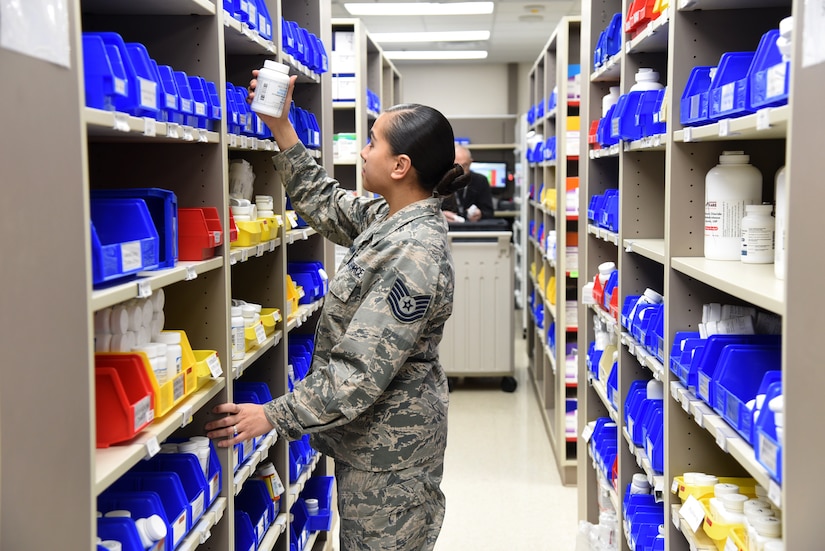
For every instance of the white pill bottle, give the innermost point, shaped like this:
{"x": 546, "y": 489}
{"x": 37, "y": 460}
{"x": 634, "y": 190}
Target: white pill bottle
{"x": 270, "y": 92}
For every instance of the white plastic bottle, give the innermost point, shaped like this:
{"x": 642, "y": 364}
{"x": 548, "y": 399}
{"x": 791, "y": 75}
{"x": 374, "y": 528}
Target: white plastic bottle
{"x": 174, "y": 351}
{"x": 646, "y": 79}
{"x": 266, "y": 472}
{"x": 780, "y": 259}
{"x": 270, "y": 92}
{"x": 203, "y": 451}
{"x": 150, "y": 529}
{"x": 758, "y": 235}
{"x": 610, "y": 100}
{"x": 729, "y": 186}
{"x": 238, "y": 338}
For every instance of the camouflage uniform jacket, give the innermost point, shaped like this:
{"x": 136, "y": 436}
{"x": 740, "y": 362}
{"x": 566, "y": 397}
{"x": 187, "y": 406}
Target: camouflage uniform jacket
{"x": 376, "y": 395}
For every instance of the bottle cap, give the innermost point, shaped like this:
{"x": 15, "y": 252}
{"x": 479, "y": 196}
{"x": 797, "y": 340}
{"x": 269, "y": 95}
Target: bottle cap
{"x": 734, "y": 503}
{"x": 188, "y": 447}
{"x": 759, "y": 209}
{"x": 266, "y": 469}
{"x": 777, "y": 404}
{"x": 722, "y": 488}
{"x": 169, "y": 447}
{"x": 734, "y": 158}
{"x": 769, "y": 527}
{"x": 640, "y": 480}
{"x": 236, "y": 311}
{"x": 103, "y": 342}
{"x": 703, "y": 479}
{"x": 119, "y": 320}
{"x": 110, "y": 545}
{"x": 655, "y": 390}
{"x": 647, "y": 75}
{"x": 754, "y": 513}
{"x": 168, "y": 337}
{"x": 201, "y": 441}
{"x": 118, "y": 513}
{"x": 606, "y": 267}
{"x": 248, "y": 311}
{"x": 275, "y": 66}
{"x": 155, "y": 527}
{"x": 653, "y": 296}
{"x": 786, "y": 26}
{"x": 690, "y": 478}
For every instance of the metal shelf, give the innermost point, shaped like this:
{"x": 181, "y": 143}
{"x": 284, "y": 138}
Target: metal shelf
{"x": 240, "y": 39}
{"x": 238, "y": 142}
{"x": 770, "y": 123}
{"x": 656, "y": 142}
{"x": 607, "y": 152}
{"x": 149, "y": 7}
{"x": 201, "y": 532}
{"x": 117, "y": 126}
{"x": 654, "y": 249}
{"x": 656, "y": 480}
{"x": 603, "y": 234}
{"x": 296, "y": 319}
{"x": 653, "y": 38}
{"x": 277, "y": 528}
{"x": 239, "y": 366}
{"x": 610, "y": 71}
{"x": 147, "y": 282}
{"x": 754, "y": 283}
{"x": 242, "y": 254}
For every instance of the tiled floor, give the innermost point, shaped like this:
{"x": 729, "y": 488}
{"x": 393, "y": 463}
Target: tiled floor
{"x": 502, "y": 485}
{"x": 500, "y": 478}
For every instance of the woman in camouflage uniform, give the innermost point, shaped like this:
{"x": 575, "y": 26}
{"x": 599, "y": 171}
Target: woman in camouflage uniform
{"x": 376, "y": 396}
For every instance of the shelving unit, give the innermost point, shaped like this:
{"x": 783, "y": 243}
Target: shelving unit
{"x": 660, "y": 245}
{"x": 375, "y": 72}
{"x": 48, "y": 406}
{"x": 548, "y": 367}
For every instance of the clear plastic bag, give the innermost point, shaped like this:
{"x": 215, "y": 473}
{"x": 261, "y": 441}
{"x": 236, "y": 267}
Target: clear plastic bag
{"x": 36, "y": 28}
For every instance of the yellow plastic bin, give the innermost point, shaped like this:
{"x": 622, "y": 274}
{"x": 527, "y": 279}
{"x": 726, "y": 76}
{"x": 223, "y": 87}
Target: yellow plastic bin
{"x": 249, "y": 233}
{"x": 270, "y": 318}
{"x": 747, "y": 486}
{"x": 715, "y": 528}
{"x": 254, "y": 336}
{"x": 292, "y": 297}
{"x": 202, "y": 360}
{"x": 274, "y": 227}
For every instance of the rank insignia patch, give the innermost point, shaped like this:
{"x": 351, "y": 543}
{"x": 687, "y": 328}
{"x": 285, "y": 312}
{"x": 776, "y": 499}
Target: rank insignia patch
{"x": 405, "y": 307}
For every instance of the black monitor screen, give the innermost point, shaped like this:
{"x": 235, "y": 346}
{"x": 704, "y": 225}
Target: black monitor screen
{"x": 496, "y": 173}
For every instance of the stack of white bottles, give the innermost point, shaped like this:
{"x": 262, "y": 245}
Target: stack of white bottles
{"x": 197, "y": 445}
{"x": 151, "y": 529}
{"x": 137, "y": 326}
{"x": 244, "y": 315}
{"x": 265, "y": 205}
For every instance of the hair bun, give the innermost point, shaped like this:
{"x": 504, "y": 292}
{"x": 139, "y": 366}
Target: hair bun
{"x": 452, "y": 181}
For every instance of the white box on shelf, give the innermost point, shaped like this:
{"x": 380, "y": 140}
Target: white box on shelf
{"x": 344, "y": 87}
{"x": 342, "y": 62}
{"x": 344, "y": 147}
{"x": 343, "y": 41}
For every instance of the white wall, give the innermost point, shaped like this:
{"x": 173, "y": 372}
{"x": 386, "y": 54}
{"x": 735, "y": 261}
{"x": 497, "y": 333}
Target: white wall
{"x": 462, "y": 89}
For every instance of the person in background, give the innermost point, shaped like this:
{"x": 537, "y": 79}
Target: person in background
{"x": 474, "y": 202}
{"x": 375, "y": 398}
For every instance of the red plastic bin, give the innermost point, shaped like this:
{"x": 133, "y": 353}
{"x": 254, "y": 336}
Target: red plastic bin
{"x": 124, "y": 400}
{"x": 233, "y": 229}
{"x": 639, "y": 15}
{"x": 199, "y": 232}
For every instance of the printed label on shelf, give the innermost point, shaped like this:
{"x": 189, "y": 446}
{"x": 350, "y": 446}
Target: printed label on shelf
{"x": 272, "y": 245}
{"x": 260, "y": 334}
{"x": 244, "y": 255}
{"x": 203, "y": 136}
{"x": 692, "y": 512}
{"x": 214, "y": 364}
{"x": 688, "y": 134}
{"x": 144, "y": 288}
{"x": 188, "y": 134}
{"x": 233, "y": 258}
{"x": 152, "y": 447}
{"x": 675, "y": 486}
{"x": 763, "y": 118}
{"x": 172, "y": 130}
{"x": 587, "y": 432}
{"x": 259, "y": 250}
{"x": 131, "y": 257}
{"x": 723, "y": 434}
{"x": 186, "y": 415}
{"x": 775, "y": 493}
{"x": 233, "y": 140}
{"x": 121, "y": 123}
{"x": 724, "y": 127}
{"x": 191, "y": 273}
{"x": 149, "y": 127}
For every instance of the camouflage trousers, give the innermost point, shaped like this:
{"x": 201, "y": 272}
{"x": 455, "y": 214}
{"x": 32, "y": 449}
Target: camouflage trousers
{"x": 390, "y": 511}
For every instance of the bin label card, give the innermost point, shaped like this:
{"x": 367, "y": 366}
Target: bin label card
{"x": 131, "y": 257}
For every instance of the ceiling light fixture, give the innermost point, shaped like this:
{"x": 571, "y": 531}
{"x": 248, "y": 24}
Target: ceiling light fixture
{"x": 436, "y": 54}
{"x": 447, "y": 36}
{"x": 420, "y": 8}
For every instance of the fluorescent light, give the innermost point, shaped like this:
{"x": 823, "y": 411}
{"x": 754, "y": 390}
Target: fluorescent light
{"x": 446, "y": 36}
{"x": 420, "y": 8}
{"x": 437, "y": 54}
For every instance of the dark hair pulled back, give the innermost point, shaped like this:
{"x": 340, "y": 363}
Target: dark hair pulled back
{"x": 426, "y": 136}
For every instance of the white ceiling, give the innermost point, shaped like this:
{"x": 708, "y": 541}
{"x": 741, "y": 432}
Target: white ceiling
{"x": 518, "y": 29}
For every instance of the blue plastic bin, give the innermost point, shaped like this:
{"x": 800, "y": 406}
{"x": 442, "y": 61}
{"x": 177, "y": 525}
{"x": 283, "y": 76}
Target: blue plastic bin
{"x": 245, "y": 537}
{"x": 694, "y": 105}
{"x": 254, "y": 500}
{"x": 647, "y": 113}
{"x": 136, "y": 72}
{"x": 729, "y": 93}
{"x": 193, "y": 481}
{"x": 170, "y": 107}
{"x": 104, "y": 78}
{"x": 124, "y": 239}
{"x": 213, "y": 100}
{"x": 706, "y": 362}
{"x": 767, "y": 447}
{"x": 299, "y": 524}
{"x": 162, "y": 205}
{"x": 653, "y": 433}
{"x": 187, "y": 101}
{"x": 610, "y": 215}
{"x": 625, "y": 125}
{"x": 769, "y": 75}
{"x": 200, "y": 104}
{"x": 613, "y": 36}
{"x": 147, "y": 84}
{"x": 320, "y": 488}
{"x": 738, "y": 378}
{"x": 123, "y": 530}
{"x": 169, "y": 488}
{"x": 613, "y": 385}
{"x": 143, "y": 504}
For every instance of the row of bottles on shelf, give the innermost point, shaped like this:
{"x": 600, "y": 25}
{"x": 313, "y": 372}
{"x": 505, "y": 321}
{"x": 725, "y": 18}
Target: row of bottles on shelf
{"x": 547, "y": 240}
{"x": 542, "y": 108}
{"x": 638, "y": 114}
{"x": 738, "y": 225}
{"x": 742, "y": 82}
{"x": 542, "y": 150}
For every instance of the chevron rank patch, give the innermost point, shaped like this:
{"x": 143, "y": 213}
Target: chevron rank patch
{"x": 405, "y": 307}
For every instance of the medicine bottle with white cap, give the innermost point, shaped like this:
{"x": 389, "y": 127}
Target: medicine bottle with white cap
{"x": 270, "y": 92}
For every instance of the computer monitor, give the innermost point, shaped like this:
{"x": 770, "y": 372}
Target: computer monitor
{"x": 496, "y": 172}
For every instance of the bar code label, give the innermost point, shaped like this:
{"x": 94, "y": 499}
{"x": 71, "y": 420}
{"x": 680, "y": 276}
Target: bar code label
{"x": 131, "y": 256}
{"x": 143, "y": 412}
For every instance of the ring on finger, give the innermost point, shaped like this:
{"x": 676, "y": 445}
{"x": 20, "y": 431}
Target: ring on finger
{"x": 235, "y": 430}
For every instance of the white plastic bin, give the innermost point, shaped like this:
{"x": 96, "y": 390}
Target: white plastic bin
{"x": 478, "y": 337}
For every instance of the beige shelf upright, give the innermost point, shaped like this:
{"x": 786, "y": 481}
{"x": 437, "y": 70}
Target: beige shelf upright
{"x": 662, "y": 187}
{"x": 50, "y": 466}
{"x": 548, "y": 367}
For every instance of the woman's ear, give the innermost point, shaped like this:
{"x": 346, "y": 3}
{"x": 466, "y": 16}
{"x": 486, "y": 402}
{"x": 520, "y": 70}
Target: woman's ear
{"x": 402, "y": 167}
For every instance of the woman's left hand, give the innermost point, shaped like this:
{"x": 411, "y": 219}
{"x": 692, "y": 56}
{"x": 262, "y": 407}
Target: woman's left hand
{"x": 243, "y": 421}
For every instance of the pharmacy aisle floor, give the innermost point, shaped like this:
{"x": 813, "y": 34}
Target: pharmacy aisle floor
{"x": 501, "y": 482}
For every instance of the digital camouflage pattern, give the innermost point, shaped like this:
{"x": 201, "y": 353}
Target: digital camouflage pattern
{"x": 376, "y": 396}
